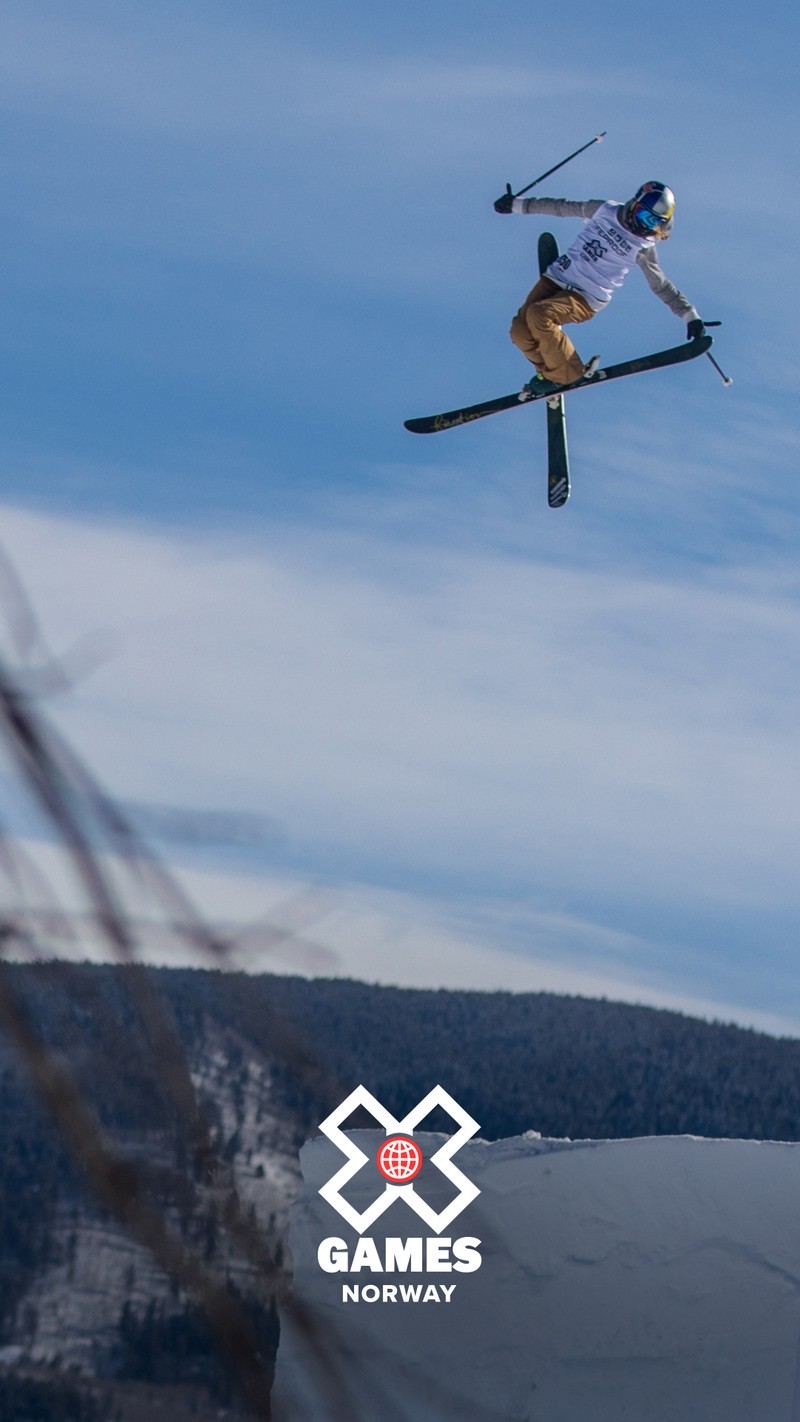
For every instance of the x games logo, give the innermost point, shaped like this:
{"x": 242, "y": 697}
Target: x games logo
{"x": 398, "y": 1163}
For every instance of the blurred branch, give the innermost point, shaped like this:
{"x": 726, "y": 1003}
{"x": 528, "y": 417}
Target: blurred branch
{"x": 108, "y": 859}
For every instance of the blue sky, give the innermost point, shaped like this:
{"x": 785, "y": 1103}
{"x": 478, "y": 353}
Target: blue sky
{"x": 241, "y": 245}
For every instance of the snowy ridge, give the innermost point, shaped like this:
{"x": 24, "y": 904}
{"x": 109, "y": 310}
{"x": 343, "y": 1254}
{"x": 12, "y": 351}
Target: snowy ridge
{"x": 649, "y": 1280}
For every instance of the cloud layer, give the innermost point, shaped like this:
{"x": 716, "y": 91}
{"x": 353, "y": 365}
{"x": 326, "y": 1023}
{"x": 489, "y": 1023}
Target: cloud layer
{"x": 573, "y": 758}
{"x": 239, "y": 250}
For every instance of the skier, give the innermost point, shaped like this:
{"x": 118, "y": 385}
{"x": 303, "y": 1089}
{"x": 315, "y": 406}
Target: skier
{"x": 582, "y": 281}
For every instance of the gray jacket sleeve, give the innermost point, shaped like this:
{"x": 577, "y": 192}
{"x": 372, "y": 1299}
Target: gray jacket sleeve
{"x": 647, "y": 259}
{"x": 657, "y": 282}
{"x": 557, "y": 207}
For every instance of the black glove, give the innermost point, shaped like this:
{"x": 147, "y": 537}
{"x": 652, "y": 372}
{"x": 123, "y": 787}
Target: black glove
{"x": 695, "y": 329}
{"x": 503, "y": 203}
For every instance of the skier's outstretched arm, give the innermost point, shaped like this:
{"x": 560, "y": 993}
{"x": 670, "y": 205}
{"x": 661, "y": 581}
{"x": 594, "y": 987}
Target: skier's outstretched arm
{"x": 549, "y": 207}
{"x": 664, "y": 288}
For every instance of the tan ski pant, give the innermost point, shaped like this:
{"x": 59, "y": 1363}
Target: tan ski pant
{"x": 536, "y": 330}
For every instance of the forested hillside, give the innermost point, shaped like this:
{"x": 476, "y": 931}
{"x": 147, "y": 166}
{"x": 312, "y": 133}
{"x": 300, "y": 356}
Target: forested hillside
{"x": 269, "y": 1057}
{"x": 563, "y": 1066}
{"x": 533, "y": 1061}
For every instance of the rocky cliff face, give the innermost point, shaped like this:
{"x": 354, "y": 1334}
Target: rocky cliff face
{"x": 72, "y": 1311}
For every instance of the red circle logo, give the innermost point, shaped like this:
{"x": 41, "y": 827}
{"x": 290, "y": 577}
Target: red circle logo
{"x": 399, "y": 1160}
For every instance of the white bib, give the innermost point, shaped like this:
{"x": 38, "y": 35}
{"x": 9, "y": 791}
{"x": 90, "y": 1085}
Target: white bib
{"x": 600, "y": 257}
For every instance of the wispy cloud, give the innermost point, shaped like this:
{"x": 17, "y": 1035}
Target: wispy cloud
{"x": 218, "y": 78}
{"x": 281, "y": 925}
{"x": 479, "y": 727}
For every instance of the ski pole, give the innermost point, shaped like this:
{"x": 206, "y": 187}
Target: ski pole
{"x": 726, "y": 379}
{"x": 598, "y": 138}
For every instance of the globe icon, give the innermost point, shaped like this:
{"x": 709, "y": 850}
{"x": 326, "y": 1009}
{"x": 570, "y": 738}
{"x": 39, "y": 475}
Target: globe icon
{"x": 399, "y": 1160}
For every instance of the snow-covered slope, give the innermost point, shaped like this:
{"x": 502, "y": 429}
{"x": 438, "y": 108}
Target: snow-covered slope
{"x": 651, "y": 1280}
{"x": 73, "y": 1308}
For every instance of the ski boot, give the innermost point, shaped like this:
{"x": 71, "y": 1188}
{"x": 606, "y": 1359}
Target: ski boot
{"x": 538, "y": 386}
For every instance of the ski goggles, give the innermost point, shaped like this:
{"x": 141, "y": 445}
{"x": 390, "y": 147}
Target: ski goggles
{"x": 648, "y": 219}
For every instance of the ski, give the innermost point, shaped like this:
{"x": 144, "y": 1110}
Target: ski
{"x": 557, "y": 452}
{"x": 557, "y": 455}
{"x": 431, "y": 424}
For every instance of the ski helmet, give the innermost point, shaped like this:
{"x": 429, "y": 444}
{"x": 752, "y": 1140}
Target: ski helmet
{"x": 650, "y": 210}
